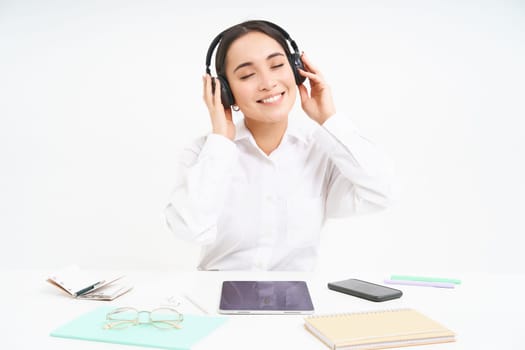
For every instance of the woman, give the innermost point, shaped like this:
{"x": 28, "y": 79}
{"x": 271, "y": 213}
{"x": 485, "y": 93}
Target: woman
{"x": 256, "y": 194}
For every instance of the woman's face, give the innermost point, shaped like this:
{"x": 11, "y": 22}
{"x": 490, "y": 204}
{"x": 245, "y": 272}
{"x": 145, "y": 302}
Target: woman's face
{"x": 260, "y": 77}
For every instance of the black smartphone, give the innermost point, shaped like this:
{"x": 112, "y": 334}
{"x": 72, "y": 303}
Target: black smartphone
{"x": 365, "y": 290}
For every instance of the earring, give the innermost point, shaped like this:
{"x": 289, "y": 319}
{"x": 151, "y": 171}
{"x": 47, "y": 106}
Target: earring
{"x": 236, "y": 108}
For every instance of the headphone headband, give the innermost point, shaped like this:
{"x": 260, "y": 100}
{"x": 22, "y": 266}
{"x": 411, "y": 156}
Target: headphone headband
{"x": 218, "y": 38}
{"x": 211, "y": 49}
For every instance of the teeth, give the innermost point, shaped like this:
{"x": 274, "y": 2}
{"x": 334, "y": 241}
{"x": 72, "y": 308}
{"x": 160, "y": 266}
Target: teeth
{"x": 271, "y": 99}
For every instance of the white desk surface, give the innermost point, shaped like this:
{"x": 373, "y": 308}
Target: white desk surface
{"x": 485, "y": 310}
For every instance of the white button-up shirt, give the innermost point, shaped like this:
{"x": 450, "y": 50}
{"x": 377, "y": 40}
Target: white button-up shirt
{"x": 252, "y": 211}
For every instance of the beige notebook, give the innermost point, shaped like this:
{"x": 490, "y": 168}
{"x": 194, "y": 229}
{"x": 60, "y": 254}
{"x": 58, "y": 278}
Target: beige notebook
{"x": 377, "y": 329}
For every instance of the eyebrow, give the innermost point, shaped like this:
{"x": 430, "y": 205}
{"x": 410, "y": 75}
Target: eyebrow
{"x": 245, "y": 64}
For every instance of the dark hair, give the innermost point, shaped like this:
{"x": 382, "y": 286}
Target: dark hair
{"x": 233, "y": 33}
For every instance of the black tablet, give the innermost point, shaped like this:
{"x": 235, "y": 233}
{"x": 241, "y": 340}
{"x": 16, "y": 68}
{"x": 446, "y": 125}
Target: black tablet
{"x": 265, "y": 297}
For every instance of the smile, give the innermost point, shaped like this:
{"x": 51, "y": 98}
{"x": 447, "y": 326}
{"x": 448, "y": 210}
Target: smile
{"x": 271, "y": 99}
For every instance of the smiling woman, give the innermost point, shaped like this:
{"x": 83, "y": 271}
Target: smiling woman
{"x": 256, "y": 194}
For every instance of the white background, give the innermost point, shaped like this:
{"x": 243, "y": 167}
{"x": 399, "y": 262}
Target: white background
{"x": 98, "y": 97}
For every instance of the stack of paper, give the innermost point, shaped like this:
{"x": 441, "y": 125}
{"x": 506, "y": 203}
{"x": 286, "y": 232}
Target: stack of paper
{"x": 86, "y": 285}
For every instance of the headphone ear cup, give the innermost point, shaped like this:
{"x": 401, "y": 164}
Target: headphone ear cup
{"x": 297, "y": 63}
{"x": 226, "y": 93}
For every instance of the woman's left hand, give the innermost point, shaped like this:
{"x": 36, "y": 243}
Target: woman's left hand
{"x": 319, "y": 105}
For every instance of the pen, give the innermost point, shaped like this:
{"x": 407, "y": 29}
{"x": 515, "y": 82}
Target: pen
{"x": 425, "y": 279}
{"x": 422, "y": 283}
{"x": 88, "y": 288}
{"x": 195, "y": 304}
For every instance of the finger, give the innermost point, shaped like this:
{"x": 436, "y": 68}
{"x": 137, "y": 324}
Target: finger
{"x": 217, "y": 94}
{"x": 315, "y": 78}
{"x": 303, "y": 92}
{"x": 206, "y": 94}
{"x": 308, "y": 64}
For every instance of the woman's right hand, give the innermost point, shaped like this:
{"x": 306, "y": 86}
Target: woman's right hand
{"x": 221, "y": 118}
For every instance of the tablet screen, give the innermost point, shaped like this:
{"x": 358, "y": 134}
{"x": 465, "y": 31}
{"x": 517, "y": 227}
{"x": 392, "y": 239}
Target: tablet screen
{"x": 265, "y": 297}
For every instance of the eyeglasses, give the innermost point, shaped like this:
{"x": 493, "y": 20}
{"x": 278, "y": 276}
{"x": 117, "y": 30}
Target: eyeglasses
{"x": 162, "y": 317}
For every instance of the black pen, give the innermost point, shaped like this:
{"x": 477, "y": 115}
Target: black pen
{"x": 87, "y": 289}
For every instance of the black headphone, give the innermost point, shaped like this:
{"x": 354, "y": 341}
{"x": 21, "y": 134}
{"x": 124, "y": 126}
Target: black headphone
{"x": 293, "y": 57}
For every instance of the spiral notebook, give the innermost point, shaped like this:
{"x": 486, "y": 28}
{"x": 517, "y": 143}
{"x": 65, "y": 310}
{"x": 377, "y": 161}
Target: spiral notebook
{"x": 377, "y": 329}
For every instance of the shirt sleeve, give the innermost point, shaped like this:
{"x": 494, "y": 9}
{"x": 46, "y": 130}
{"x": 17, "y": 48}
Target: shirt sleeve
{"x": 203, "y": 178}
{"x": 360, "y": 175}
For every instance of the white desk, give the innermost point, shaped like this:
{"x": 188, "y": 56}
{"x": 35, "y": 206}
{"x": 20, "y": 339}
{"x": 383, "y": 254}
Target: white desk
{"x": 485, "y": 310}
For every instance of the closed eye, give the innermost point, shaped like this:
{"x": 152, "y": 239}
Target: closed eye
{"x": 244, "y": 77}
{"x": 276, "y": 66}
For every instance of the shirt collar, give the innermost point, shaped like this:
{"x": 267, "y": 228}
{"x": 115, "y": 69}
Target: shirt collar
{"x": 294, "y": 131}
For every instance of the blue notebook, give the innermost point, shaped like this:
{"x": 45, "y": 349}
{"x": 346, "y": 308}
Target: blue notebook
{"x": 90, "y": 327}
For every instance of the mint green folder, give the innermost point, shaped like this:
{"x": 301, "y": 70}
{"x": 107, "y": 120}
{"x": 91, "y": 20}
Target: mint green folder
{"x": 90, "y": 327}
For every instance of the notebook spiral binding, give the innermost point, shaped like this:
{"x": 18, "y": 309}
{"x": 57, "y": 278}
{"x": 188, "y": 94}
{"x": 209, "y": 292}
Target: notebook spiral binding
{"x": 371, "y": 312}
